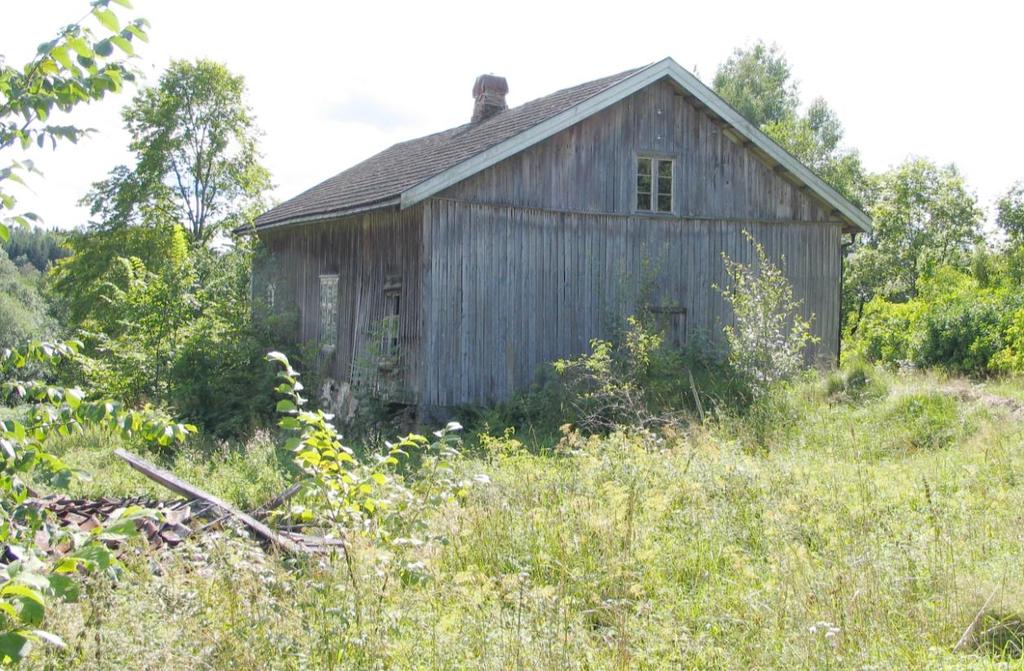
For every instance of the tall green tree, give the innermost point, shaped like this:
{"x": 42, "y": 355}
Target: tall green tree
{"x": 757, "y": 82}
{"x": 35, "y": 245}
{"x": 1010, "y": 213}
{"x": 924, "y": 216}
{"x": 197, "y": 162}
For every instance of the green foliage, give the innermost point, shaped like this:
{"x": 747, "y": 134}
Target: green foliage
{"x": 924, "y": 216}
{"x": 367, "y": 497}
{"x": 636, "y": 379}
{"x": 768, "y": 340}
{"x": 926, "y": 421}
{"x": 31, "y": 579}
{"x": 81, "y": 282}
{"x": 169, "y": 323}
{"x": 24, "y": 314}
{"x": 1010, "y": 213}
{"x": 757, "y": 82}
{"x": 816, "y": 140}
{"x": 197, "y": 164}
{"x": 688, "y": 551}
{"x": 36, "y": 246}
{"x": 857, "y": 381}
{"x": 77, "y": 66}
{"x": 955, "y": 321}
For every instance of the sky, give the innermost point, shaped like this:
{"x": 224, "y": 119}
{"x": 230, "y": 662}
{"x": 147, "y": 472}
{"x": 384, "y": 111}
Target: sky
{"x": 333, "y": 82}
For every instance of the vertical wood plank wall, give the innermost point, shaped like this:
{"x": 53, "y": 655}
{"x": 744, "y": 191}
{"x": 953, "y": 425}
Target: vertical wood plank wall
{"x": 508, "y": 290}
{"x": 590, "y": 166}
{"x": 529, "y": 259}
{"x": 363, "y": 250}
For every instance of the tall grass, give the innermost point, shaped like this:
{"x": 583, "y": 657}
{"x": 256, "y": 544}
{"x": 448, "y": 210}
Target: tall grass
{"x": 865, "y": 531}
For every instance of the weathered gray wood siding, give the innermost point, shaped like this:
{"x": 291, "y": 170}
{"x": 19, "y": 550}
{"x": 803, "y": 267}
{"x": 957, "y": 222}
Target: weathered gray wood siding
{"x": 363, "y": 250}
{"x": 590, "y": 166}
{"x": 508, "y": 290}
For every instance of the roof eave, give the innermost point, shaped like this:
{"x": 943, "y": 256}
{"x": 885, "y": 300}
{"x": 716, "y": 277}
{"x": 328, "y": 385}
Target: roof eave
{"x": 314, "y": 218}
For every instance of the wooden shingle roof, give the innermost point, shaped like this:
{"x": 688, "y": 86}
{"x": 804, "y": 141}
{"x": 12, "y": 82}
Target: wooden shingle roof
{"x": 382, "y": 178}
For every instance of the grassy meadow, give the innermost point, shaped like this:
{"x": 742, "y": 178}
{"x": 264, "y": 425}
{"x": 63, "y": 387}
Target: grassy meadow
{"x": 824, "y": 530}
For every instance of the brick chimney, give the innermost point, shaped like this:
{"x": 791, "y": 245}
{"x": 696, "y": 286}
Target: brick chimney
{"x": 489, "y": 92}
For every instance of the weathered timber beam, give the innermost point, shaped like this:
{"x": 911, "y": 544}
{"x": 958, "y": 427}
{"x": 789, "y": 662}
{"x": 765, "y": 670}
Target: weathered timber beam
{"x": 179, "y": 486}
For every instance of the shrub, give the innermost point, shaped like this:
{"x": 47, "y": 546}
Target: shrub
{"x": 956, "y": 322}
{"x": 608, "y": 383}
{"x": 769, "y": 338}
{"x": 884, "y": 332}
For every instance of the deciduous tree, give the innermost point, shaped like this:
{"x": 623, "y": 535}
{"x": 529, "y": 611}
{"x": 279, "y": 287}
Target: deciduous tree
{"x": 197, "y": 164}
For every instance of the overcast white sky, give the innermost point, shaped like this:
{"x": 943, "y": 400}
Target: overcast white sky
{"x": 333, "y": 82}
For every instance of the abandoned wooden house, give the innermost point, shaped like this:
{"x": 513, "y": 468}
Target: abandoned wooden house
{"x": 449, "y": 269}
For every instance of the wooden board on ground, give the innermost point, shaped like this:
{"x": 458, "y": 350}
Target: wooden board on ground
{"x": 179, "y": 486}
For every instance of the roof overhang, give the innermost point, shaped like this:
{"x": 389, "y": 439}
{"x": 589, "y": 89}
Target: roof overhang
{"x": 781, "y": 160}
{"x": 314, "y": 218}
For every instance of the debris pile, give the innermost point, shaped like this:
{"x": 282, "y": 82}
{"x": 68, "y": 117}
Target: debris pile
{"x": 176, "y": 520}
{"x": 168, "y": 527}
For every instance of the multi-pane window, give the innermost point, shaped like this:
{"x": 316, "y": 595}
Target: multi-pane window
{"x": 328, "y": 311}
{"x": 653, "y": 184}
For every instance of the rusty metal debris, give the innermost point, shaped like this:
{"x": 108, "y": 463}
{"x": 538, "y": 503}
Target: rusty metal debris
{"x": 169, "y": 527}
{"x": 174, "y": 521}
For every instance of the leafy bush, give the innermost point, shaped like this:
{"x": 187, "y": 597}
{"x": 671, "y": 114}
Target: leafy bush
{"x": 956, "y": 321}
{"x": 637, "y": 380}
{"x": 768, "y": 341}
{"x": 173, "y": 328}
{"x": 884, "y": 332}
{"x": 31, "y": 578}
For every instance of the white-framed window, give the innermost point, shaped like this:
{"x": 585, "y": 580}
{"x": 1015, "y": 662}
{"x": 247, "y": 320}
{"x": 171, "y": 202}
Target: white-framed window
{"x": 328, "y": 311}
{"x": 654, "y": 178}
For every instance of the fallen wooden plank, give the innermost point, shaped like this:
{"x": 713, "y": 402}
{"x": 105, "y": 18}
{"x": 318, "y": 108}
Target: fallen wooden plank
{"x": 277, "y": 501}
{"x": 179, "y": 486}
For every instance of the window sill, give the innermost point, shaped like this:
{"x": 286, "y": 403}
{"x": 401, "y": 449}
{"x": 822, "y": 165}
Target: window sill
{"x": 659, "y": 215}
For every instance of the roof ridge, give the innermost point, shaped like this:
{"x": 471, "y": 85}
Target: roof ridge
{"x": 407, "y": 163}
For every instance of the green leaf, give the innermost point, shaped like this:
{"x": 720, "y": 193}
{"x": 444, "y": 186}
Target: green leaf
{"x": 104, "y": 48}
{"x": 20, "y": 590}
{"x": 285, "y": 405}
{"x": 14, "y": 646}
{"x": 107, "y": 18}
{"x": 277, "y": 356}
{"x": 80, "y": 47}
{"x": 60, "y": 54}
{"x": 123, "y": 44}
{"x": 5, "y": 235}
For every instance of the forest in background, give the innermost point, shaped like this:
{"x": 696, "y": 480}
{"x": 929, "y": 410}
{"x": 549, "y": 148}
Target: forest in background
{"x": 136, "y": 328}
